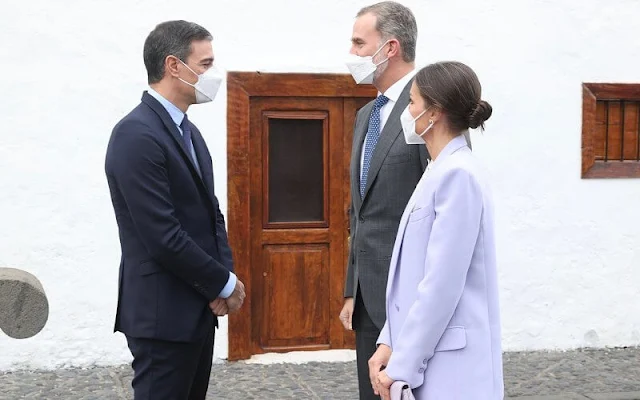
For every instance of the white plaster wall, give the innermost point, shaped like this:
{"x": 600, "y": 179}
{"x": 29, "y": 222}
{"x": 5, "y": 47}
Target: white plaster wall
{"x": 71, "y": 70}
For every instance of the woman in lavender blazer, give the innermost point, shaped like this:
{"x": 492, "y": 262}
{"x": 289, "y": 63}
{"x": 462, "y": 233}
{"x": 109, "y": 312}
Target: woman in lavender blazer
{"x": 442, "y": 334}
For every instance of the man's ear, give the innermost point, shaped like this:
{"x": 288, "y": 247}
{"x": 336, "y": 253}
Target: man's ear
{"x": 394, "y": 48}
{"x": 171, "y": 65}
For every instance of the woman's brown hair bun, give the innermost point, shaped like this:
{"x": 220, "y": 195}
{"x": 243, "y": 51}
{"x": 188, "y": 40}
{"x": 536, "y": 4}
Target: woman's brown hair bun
{"x": 480, "y": 114}
{"x": 454, "y": 88}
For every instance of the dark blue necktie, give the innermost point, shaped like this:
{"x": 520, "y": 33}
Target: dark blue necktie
{"x": 188, "y": 144}
{"x": 373, "y": 134}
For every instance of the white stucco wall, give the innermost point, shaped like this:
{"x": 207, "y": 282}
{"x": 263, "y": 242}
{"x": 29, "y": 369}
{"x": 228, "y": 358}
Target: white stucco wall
{"x": 71, "y": 70}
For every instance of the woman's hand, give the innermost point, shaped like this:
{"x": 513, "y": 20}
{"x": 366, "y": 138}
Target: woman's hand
{"x": 378, "y": 360}
{"x": 383, "y": 385}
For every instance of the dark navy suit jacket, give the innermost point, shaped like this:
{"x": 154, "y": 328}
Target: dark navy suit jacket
{"x": 175, "y": 253}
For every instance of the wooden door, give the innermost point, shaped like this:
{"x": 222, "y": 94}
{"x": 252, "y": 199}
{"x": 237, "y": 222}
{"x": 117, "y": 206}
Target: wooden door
{"x": 297, "y": 221}
{"x": 288, "y": 210}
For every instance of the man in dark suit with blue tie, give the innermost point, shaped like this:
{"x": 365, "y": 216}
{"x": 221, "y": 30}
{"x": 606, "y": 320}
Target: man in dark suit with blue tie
{"x": 176, "y": 271}
{"x": 384, "y": 172}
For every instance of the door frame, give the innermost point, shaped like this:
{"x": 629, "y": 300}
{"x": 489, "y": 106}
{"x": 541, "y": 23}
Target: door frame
{"x": 241, "y": 86}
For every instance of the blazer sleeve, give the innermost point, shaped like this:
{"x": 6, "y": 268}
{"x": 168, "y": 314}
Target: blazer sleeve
{"x": 350, "y": 278}
{"x": 142, "y": 179}
{"x": 351, "y": 273}
{"x": 455, "y": 230}
{"x": 385, "y": 335}
{"x": 223, "y": 241}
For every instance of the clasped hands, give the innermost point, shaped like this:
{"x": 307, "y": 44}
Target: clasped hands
{"x": 380, "y": 381}
{"x": 231, "y": 304}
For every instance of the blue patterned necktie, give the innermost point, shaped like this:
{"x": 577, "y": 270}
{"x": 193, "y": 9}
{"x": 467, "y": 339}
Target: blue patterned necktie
{"x": 373, "y": 134}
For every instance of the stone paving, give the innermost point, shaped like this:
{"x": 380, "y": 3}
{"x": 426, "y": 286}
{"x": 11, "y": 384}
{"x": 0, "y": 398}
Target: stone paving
{"x": 612, "y": 374}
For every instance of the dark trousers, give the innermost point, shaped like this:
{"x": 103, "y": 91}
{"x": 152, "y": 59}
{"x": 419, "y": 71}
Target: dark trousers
{"x": 366, "y": 337}
{"x": 171, "y": 370}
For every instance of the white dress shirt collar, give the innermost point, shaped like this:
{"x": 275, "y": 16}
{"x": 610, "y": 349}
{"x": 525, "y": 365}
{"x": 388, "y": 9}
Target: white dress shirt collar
{"x": 395, "y": 90}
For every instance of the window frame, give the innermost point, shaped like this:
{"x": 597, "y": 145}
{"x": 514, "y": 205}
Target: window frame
{"x": 598, "y": 169}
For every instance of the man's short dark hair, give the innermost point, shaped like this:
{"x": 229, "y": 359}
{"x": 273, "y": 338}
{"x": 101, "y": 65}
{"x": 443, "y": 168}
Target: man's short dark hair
{"x": 170, "y": 38}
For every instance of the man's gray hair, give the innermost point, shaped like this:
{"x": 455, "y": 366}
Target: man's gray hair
{"x": 395, "y": 21}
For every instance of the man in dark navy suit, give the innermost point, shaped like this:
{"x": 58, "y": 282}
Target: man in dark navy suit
{"x": 176, "y": 271}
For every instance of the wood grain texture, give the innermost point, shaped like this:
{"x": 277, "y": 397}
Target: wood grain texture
{"x": 238, "y": 212}
{"x": 295, "y": 303}
{"x": 303, "y": 263}
{"x": 610, "y": 130}
{"x": 614, "y": 91}
{"x": 300, "y": 85}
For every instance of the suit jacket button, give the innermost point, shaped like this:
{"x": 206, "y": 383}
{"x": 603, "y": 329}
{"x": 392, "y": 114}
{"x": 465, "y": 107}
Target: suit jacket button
{"x": 424, "y": 361}
{"x": 421, "y": 370}
{"x": 397, "y": 308}
{"x": 361, "y": 219}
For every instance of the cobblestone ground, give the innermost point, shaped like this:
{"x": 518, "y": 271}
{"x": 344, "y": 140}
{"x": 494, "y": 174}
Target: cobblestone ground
{"x": 568, "y": 375}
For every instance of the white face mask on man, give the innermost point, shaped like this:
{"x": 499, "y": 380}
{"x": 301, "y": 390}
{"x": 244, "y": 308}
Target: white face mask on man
{"x": 207, "y": 85}
{"x": 363, "y": 68}
{"x": 409, "y": 127}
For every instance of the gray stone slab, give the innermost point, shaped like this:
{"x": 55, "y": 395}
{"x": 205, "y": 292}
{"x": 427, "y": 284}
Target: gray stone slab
{"x": 24, "y": 308}
{"x": 614, "y": 396}
{"x": 564, "y": 396}
{"x": 579, "y": 371}
{"x": 527, "y": 376}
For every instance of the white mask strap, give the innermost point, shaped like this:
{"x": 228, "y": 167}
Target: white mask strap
{"x": 188, "y": 67}
{"x": 428, "y": 127}
{"x": 381, "y": 47}
{"x": 421, "y": 114}
{"x": 430, "y": 122}
{"x": 378, "y": 51}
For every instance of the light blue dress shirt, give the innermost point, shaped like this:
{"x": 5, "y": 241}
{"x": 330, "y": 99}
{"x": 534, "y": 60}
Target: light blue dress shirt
{"x": 177, "y": 116}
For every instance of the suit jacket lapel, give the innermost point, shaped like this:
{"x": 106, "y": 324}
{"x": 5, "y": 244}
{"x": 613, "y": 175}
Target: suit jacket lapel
{"x": 389, "y": 134}
{"x": 170, "y": 125}
{"x": 454, "y": 145}
{"x": 175, "y": 134}
{"x": 359, "y": 134}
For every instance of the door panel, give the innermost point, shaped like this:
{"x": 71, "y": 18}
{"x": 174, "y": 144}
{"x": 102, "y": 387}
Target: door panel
{"x": 295, "y": 256}
{"x": 296, "y": 280}
{"x": 295, "y": 158}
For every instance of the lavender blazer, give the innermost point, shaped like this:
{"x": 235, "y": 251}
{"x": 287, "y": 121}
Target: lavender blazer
{"x": 443, "y": 317}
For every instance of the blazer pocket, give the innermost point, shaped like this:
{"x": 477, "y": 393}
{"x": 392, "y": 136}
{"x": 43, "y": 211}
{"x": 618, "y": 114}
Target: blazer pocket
{"x": 397, "y": 159}
{"x": 454, "y": 338}
{"x": 419, "y": 213}
{"x": 149, "y": 268}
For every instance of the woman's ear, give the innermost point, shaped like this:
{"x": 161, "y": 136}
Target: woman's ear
{"x": 434, "y": 114}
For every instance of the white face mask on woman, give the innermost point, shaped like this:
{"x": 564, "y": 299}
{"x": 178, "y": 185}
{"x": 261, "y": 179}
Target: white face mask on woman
{"x": 409, "y": 127}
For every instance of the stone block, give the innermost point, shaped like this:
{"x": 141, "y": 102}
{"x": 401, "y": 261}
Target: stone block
{"x": 24, "y": 308}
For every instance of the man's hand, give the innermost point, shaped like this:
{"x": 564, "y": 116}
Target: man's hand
{"x": 378, "y": 360}
{"x": 234, "y": 302}
{"x": 346, "y": 314}
{"x": 219, "y": 307}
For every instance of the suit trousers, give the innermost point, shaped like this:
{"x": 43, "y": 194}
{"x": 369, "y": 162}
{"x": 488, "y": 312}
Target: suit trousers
{"x": 366, "y": 337}
{"x": 171, "y": 370}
